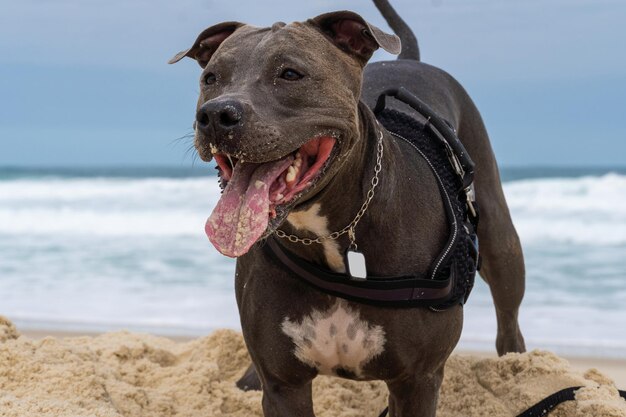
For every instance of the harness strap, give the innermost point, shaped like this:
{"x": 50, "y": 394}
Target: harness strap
{"x": 543, "y": 407}
{"x": 440, "y": 127}
{"x": 392, "y": 291}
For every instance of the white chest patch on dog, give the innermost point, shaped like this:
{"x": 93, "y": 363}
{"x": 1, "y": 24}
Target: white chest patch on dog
{"x": 312, "y": 221}
{"x": 335, "y": 341}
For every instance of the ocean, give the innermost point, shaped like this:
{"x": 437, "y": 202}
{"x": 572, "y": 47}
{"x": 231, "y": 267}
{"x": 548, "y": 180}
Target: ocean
{"x": 105, "y": 249}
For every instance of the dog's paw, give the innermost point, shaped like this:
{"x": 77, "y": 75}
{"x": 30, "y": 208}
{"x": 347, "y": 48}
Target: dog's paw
{"x": 250, "y": 380}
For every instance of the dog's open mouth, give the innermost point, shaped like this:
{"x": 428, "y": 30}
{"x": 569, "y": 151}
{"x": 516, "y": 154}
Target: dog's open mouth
{"x": 253, "y": 192}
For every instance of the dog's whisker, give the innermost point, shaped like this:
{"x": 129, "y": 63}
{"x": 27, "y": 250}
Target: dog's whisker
{"x": 190, "y": 151}
{"x": 182, "y": 138}
{"x": 194, "y": 159}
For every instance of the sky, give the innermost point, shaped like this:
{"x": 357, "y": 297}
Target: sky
{"x": 85, "y": 82}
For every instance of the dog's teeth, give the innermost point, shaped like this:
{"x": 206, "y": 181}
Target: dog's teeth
{"x": 258, "y": 184}
{"x": 298, "y": 161}
{"x": 213, "y": 149}
{"x": 279, "y": 197}
{"x": 291, "y": 174}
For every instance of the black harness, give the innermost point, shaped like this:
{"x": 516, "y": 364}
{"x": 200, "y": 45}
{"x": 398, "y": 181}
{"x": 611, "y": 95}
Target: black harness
{"x": 451, "y": 276}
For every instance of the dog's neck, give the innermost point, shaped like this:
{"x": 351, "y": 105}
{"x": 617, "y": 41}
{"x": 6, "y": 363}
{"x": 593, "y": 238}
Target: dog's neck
{"x": 334, "y": 207}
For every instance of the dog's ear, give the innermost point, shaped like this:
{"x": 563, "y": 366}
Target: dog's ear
{"x": 354, "y": 35}
{"x": 207, "y": 43}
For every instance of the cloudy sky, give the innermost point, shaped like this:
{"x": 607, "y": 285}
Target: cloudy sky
{"x": 85, "y": 82}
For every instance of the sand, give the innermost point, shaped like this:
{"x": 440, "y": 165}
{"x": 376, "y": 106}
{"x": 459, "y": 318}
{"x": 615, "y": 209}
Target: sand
{"x": 132, "y": 375}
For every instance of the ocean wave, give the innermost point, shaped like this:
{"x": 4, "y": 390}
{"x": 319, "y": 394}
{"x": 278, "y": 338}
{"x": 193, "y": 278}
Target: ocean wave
{"x": 69, "y": 221}
{"x": 585, "y": 210}
{"x": 574, "y": 196}
{"x": 126, "y": 192}
{"x": 107, "y": 207}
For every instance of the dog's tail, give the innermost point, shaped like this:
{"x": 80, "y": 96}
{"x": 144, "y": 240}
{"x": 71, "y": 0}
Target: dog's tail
{"x": 410, "y": 50}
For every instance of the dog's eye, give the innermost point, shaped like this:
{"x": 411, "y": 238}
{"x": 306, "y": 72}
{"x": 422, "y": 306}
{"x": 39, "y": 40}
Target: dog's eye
{"x": 210, "y": 78}
{"x": 291, "y": 75}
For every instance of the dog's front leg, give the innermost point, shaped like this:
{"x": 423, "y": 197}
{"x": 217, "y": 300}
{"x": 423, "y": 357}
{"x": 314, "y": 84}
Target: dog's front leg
{"x": 415, "y": 395}
{"x": 281, "y": 399}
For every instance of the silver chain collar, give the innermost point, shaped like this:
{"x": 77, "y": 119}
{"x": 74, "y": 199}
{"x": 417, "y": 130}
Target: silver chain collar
{"x": 350, "y": 228}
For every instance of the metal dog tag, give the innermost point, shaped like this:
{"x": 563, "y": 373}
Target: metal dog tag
{"x": 356, "y": 265}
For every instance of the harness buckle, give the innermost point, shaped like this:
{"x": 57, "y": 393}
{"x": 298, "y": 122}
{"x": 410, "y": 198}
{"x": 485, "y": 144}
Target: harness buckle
{"x": 452, "y": 156}
{"x": 470, "y": 196}
{"x": 457, "y": 165}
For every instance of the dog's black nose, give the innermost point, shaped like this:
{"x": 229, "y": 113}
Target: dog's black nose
{"x": 231, "y": 114}
{"x": 219, "y": 116}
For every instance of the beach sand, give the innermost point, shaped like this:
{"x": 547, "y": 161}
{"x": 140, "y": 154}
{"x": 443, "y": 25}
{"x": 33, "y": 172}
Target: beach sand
{"x": 136, "y": 375}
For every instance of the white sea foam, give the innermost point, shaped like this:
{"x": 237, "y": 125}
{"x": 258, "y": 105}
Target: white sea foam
{"x": 587, "y": 210}
{"x": 591, "y": 194}
{"x": 68, "y": 220}
{"x": 590, "y": 210}
{"x": 145, "y": 193}
{"x": 107, "y": 207}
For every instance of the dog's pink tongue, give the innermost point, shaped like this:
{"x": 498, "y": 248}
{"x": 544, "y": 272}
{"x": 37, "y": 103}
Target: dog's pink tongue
{"x": 242, "y": 214}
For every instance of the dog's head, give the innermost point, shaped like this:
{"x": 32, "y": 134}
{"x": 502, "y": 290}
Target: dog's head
{"x": 278, "y": 112}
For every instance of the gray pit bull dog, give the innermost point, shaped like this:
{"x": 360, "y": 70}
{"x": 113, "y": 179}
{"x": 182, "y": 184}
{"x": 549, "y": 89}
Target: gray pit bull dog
{"x": 285, "y": 112}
